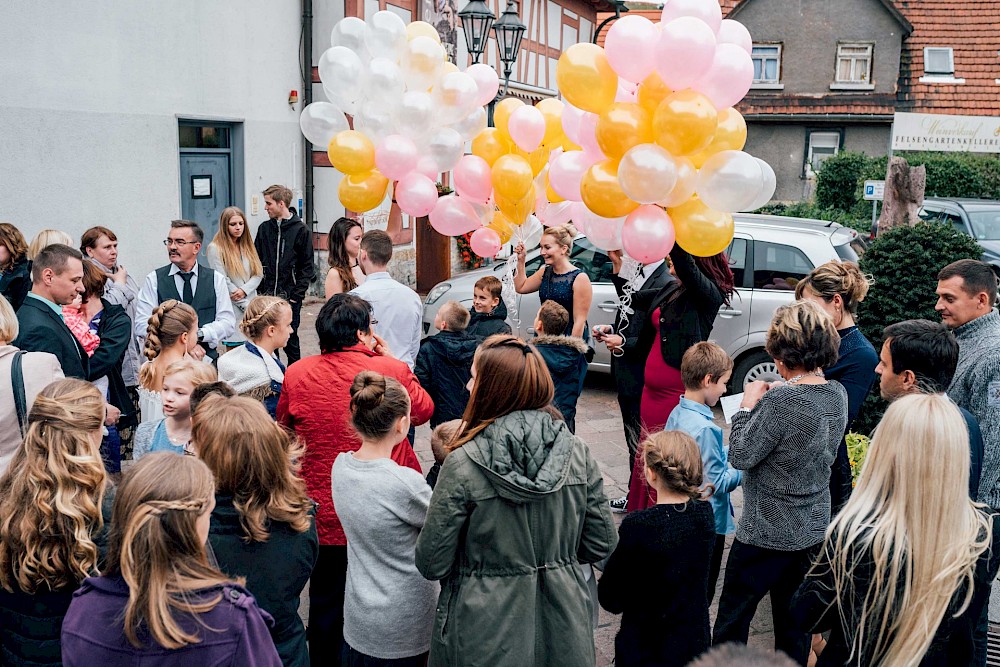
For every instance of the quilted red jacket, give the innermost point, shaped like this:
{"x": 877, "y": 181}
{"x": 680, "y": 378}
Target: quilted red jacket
{"x": 315, "y": 403}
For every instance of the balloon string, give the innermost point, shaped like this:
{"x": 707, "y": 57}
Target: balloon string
{"x": 629, "y": 272}
{"x": 508, "y": 292}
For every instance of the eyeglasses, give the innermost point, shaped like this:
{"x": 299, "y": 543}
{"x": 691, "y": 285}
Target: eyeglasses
{"x": 177, "y": 242}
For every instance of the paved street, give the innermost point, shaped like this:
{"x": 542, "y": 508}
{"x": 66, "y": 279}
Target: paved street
{"x": 599, "y": 424}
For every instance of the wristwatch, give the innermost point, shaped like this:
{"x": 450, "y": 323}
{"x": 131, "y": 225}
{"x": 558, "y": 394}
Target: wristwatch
{"x": 201, "y": 334}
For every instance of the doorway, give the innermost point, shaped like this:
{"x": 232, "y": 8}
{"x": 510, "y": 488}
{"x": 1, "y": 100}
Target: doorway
{"x": 210, "y": 157}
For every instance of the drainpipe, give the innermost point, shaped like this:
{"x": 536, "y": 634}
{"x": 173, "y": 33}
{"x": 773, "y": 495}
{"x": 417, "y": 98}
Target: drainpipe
{"x": 307, "y": 98}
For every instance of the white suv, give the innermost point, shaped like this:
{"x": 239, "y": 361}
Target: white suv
{"x": 768, "y": 256}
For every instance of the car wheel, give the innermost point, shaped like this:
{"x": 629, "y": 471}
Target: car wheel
{"x": 752, "y": 367}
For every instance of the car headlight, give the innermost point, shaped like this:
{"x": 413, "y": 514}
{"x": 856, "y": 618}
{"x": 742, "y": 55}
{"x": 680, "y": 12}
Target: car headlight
{"x": 438, "y": 292}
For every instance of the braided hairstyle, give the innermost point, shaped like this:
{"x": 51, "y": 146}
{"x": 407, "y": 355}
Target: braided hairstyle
{"x": 262, "y": 312}
{"x": 169, "y": 321}
{"x": 674, "y": 457}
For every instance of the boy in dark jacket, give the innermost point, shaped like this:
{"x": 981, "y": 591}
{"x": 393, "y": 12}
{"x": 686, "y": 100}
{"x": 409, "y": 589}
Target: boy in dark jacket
{"x": 444, "y": 363}
{"x": 489, "y": 313}
{"x": 565, "y": 356}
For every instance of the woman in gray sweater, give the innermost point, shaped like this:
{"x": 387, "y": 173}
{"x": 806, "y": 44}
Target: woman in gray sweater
{"x": 784, "y": 438}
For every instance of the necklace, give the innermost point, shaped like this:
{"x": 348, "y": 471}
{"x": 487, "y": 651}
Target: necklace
{"x": 817, "y": 373}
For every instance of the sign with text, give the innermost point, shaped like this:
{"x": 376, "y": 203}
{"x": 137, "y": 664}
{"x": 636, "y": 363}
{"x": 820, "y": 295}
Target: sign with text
{"x": 874, "y": 190}
{"x": 940, "y": 132}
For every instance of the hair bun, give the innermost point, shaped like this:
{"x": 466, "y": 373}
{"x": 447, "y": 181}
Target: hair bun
{"x": 367, "y": 390}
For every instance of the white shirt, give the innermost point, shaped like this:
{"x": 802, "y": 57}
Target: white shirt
{"x": 215, "y": 332}
{"x": 398, "y": 311}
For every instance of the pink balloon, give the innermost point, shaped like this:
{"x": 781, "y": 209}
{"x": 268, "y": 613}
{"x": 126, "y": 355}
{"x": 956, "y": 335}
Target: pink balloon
{"x": 571, "y": 117}
{"x": 709, "y": 11}
{"x": 453, "y": 217}
{"x": 627, "y": 90}
{"x": 557, "y": 213}
{"x": 396, "y": 156}
{"x": 527, "y": 128}
{"x": 734, "y": 32}
{"x": 629, "y": 47}
{"x": 487, "y": 83}
{"x": 729, "y": 78}
{"x": 684, "y": 52}
{"x": 485, "y": 242}
{"x": 473, "y": 178}
{"x": 428, "y": 167}
{"x": 566, "y": 173}
{"x": 416, "y": 194}
{"x": 648, "y": 234}
{"x": 604, "y": 233}
{"x": 588, "y": 138}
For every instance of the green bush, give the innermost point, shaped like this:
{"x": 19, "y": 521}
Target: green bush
{"x": 837, "y": 182}
{"x": 903, "y": 263}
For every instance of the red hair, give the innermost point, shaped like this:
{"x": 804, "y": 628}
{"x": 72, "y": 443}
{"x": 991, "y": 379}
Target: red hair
{"x": 717, "y": 269}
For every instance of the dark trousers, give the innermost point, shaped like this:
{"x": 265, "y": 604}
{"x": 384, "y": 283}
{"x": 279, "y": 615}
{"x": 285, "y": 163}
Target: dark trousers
{"x": 979, "y": 638}
{"x": 840, "y": 480}
{"x": 326, "y": 606}
{"x": 633, "y": 425}
{"x": 352, "y": 658}
{"x": 292, "y": 350}
{"x": 751, "y": 573}
{"x": 715, "y": 565}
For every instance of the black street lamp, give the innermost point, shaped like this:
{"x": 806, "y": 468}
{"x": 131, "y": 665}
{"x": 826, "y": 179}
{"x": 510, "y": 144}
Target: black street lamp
{"x": 476, "y": 22}
{"x": 509, "y": 31}
{"x": 477, "y": 19}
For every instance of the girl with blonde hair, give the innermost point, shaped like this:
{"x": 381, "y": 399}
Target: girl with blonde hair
{"x": 175, "y": 605}
{"x": 172, "y": 432}
{"x": 262, "y": 525}
{"x": 905, "y": 569}
{"x": 51, "y": 519}
{"x": 253, "y": 369}
{"x": 232, "y": 254}
{"x": 47, "y": 237}
{"x": 171, "y": 334}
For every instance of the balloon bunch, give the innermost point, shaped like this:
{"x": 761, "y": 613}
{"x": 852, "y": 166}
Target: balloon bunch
{"x": 413, "y": 112}
{"x": 658, "y": 147}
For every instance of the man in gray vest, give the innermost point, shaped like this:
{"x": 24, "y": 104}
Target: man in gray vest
{"x": 195, "y": 284}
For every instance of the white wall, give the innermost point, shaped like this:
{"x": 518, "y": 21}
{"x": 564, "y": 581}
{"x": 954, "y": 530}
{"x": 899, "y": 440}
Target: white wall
{"x": 90, "y": 94}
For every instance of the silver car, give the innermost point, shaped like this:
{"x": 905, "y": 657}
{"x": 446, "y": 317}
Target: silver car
{"x": 768, "y": 256}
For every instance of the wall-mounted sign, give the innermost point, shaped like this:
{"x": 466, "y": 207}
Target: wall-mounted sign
{"x": 940, "y": 132}
{"x": 201, "y": 187}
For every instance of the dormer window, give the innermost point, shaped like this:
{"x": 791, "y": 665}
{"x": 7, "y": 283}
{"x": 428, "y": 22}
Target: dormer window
{"x": 939, "y": 61}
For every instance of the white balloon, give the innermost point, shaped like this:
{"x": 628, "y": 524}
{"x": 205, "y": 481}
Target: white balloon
{"x": 375, "y": 120}
{"x": 421, "y": 63}
{"x": 445, "y": 148}
{"x": 604, "y": 233}
{"x": 414, "y": 116}
{"x": 385, "y": 35}
{"x": 768, "y": 183}
{"x": 730, "y": 181}
{"x": 647, "y": 173}
{"x": 320, "y": 121}
{"x": 455, "y": 95}
{"x": 709, "y": 11}
{"x": 385, "y": 81}
{"x": 734, "y": 32}
{"x": 350, "y": 33}
{"x": 472, "y": 124}
{"x": 343, "y": 75}
{"x": 529, "y": 233}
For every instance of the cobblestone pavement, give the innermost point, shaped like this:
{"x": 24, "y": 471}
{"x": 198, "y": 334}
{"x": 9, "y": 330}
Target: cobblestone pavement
{"x": 599, "y": 423}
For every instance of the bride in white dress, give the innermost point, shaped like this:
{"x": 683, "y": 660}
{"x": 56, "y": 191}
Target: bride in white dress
{"x": 171, "y": 335}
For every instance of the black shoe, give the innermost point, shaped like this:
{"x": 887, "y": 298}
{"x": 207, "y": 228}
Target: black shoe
{"x": 618, "y": 505}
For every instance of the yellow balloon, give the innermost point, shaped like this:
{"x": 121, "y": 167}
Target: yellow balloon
{"x": 585, "y": 78}
{"x": 351, "y": 152}
{"x": 490, "y": 145}
{"x": 651, "y": 92}
{"x": 515, "y": 210}
{"x": 538, "y": 158}
{"x": 512, "y": 177}
{"x": 552, "y": 109}
{"x": 551, "y": 194}
{"x": 701, "y": 231}
{"x": 362, "y": 192}
{"x": 502, "y": 226}
{"x": 731, "y": 135}
{"x": 422, "y": 29}
{"x": 568, "y": 145}
{"x": 501, "y": 115}
{"x": 601, "y": 192}
{"x": 622, "y": 126}
{"x": 685, "y": 122}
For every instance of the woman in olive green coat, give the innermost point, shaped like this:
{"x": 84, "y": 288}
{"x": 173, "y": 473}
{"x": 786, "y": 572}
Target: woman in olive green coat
{"x": 519, "y": 505}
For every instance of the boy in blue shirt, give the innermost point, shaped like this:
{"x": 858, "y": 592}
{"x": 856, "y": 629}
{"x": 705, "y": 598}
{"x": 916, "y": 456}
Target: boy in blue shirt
{"x": 705, "y": 370}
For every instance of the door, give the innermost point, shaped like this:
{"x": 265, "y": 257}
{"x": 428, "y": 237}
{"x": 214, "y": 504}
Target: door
{"x": 205, "y": 190}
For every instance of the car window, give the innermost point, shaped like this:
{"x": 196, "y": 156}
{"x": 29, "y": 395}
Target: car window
{"x": 928, "y": 214}
{"x": 737, "y": 254}
{"x": 851, "y": 251}
{"x": 954, "y": 220}
{"x": 986, "y": 224}
{"x": 777, "y": 266}
{"x": 593, "y": 261}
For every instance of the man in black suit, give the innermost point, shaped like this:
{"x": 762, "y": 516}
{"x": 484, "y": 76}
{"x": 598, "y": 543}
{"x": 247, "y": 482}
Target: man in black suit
{"x": 57, "y": 279}
{"x": 628, "y": 369}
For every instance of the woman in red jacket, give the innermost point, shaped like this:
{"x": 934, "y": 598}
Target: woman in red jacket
{"x": 315, "y": 404}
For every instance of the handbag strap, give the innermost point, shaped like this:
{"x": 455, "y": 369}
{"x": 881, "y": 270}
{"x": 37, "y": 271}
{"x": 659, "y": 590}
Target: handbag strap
{"x": 17, "y": 384}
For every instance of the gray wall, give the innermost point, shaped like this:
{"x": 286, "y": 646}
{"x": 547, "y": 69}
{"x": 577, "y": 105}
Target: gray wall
{"x": 810, "y": 30}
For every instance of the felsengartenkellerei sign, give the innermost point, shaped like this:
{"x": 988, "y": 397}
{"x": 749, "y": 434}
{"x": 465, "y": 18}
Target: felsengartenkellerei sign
{"x": 939, "y": 132}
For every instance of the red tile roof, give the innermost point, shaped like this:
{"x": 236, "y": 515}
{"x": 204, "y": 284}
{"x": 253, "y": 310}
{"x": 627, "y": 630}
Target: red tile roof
{"x": 833, "y": 104}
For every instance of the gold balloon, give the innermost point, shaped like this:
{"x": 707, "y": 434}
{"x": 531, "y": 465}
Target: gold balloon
{"x": 601, "y": 192}
{"x": 538, "y": 158}
{"x": 422, "y": 29}
{"x": 502, "y": 226}
{"x": 651, "y": 92}
{"x": 351, "y": 152}
{"x": 685, "y": 122}
{"x": 490, "y": 145}
{"x": 550, "y": 194}
{"x": 731, "y": 135}
{"x": 552, "y": 109}
{"x": 585, "y": 78}
{"x": 515, "y": 210}
{"x": 567, "y": 145}
{"x": 501, "y": 115}
{"x": 701, "y": 231}
{"x": 362, "y": 192}
{"x": 512, "y": 177}
{"x": 623, "y": 126}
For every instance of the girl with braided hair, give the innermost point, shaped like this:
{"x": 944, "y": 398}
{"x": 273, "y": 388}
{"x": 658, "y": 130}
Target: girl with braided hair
{"x": 172, "y": 432}
{"x": 53, "y": 509}
{"x": 177, "y": 608}
{"x": 253, "y": 369}
{"x": 665, "y": 616}
{"x": 170, "y": 336}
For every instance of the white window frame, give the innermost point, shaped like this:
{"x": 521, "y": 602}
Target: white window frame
{"x": 768, "y": 84}
{"x": 943, "y": 76}
{"x": 865, "y": 83}
{"x": 820, "y": 139}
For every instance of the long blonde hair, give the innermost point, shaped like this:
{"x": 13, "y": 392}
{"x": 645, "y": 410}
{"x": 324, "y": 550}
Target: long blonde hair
{"x": 51, "y": 495}
{"x": 232, "y": 252}
{"x": 911, "y": 515}
{"x": 255, "y": 461}
{"x": 169, "y": 321}
{"x": 154, "y": 546}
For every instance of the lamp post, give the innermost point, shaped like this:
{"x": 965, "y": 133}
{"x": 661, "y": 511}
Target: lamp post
{"x": 477, "y": 19}
{"x": 476, "y": 22}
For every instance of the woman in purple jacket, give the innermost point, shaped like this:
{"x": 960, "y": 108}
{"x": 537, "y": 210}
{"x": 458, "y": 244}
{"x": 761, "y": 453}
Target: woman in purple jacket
{"x": 178, "y": 609}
